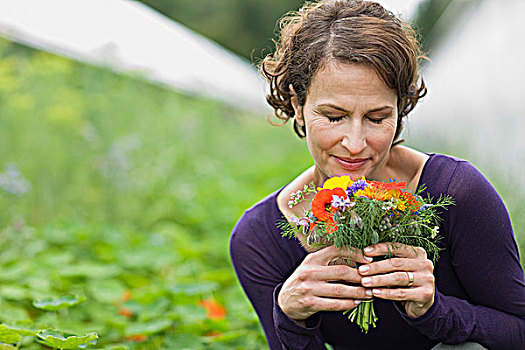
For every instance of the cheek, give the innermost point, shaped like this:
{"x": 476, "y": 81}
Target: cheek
{"x": 381, "y": 137}
{"x": 321, "y": 136}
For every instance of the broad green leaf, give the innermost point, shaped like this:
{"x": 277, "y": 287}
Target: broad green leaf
{"x": 148, "y": 328}
{"x": 13, "y": 312}
{"x": 57, "y": 303}
{"x": 199, "y": 288}
{"x": 185, "y": 341}
{"x": 60, "y": 340}
{"x": 222, "y": 276}
{"x": 59, "y": 236}
{"x": 108, "y": 290}
{"x": 154, "y": 310}
{"x": 92, "y": 270}
{"x": 14, "y": 292}
{"x": 227, "y": 336}
{"x": 57, "y": 258}
{"x": 8, "y": 335}
{"x": 188, "y": 314}
{"x": 145, "y": 258}
{"x": 23, "y": 331}
{"x": 38, "y": 284}
{"x": 218, "y": 346}
{"x": 7, "y": 347}
{"x": 15, "y": 271}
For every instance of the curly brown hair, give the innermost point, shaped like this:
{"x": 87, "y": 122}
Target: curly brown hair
{"x": 349, "y": 31}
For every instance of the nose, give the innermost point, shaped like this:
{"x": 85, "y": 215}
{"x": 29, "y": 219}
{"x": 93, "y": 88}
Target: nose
{"x": 354, "y": 139}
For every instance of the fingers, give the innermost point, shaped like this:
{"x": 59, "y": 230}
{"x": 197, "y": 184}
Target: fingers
{"x": 395, "y": 249}
{"x": 315, "y": 304}
{"x": 322, "y": 296}
{"x": 342, "y": 291}
{"x": 398, "y": 279}
{"x": 397, "y": 264}
{"x": 336, "y": 304}
{"x": 330, "y": 273}
{"x": 328, "y": 255}
{"x": 420, "y": 295}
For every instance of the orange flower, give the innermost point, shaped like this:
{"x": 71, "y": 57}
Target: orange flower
{"x": 373, "y": 193}
{"x": 214, "y": 310}
{"x": 126, "y": 312}
{"x": 410, "y": 201}
{"x": 321, "y": 204}
{"x": 126, "y": 296}
{"x": 213, "y": 334}
{"x": 331, "y": 226}
{"x": 395, "y": 193}
{"x": 137, "y": 338}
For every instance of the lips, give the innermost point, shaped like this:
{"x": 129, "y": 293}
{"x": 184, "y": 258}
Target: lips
{"x": 351, "y": 163}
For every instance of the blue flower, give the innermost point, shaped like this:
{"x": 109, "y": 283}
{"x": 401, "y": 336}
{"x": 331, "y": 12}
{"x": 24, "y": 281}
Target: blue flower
{"x": 356, "y": 186}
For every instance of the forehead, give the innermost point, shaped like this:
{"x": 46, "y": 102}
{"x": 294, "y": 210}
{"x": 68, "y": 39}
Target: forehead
{"x": 344, "y": 83}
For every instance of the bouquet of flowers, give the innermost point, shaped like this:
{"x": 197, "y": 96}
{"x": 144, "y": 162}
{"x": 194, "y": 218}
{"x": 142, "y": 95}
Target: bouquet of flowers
{"x": 357, "y": 214}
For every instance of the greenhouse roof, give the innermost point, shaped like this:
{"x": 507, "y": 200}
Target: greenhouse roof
{"x": 128, "y": 36}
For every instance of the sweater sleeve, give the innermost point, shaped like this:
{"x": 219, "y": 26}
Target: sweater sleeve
{"x": 485, "y": 257}
{"x": 258, "y": 261}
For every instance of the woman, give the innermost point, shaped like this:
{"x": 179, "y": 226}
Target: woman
{"x": 346, "y": 72}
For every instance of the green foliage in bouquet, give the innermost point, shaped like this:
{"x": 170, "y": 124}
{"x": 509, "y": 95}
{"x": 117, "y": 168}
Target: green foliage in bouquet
{"x": 357, "y": 214}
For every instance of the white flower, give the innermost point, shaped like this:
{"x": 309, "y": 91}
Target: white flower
{"x": 340, "y": 202}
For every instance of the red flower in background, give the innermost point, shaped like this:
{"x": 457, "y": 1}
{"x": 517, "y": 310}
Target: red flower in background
{"x": 126, "y": 312}
{"x": 137, "y": 338}
{"x": 214, "y": 310}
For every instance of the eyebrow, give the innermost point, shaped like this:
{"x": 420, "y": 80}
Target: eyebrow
{"x": 379, "y": 109}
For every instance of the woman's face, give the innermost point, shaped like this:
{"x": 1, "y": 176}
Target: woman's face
{"x": 350, "y": 117}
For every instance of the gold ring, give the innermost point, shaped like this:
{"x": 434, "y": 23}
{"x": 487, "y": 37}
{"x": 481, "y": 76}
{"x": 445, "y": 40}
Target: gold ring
{"x": 410, "y": 279}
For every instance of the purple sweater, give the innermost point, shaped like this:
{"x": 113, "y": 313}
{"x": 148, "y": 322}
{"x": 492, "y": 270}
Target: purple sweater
{"x": 480, "y": 287}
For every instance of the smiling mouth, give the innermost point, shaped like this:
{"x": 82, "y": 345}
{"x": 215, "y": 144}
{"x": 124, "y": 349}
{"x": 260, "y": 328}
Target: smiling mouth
{"x": 351, "y": 163}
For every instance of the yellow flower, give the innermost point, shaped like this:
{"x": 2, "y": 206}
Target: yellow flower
{"x": 336, "y": 182}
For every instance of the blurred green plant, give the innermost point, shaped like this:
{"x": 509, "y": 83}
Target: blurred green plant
{"x": 129, "y": 194}
{"x": 101, "y": 147}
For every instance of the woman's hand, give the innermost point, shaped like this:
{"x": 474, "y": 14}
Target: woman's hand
{"x": 390, "y": 278}
{"x": 316, "y": 285}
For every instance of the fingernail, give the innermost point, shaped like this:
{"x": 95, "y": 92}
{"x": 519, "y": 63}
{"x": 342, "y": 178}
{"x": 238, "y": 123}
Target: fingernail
{"x": 364, "y": 268}
{"x": 366, "y": 280}
{"x": 357, "y": 302}
{"x": 368, "y": 292}
{"x": 376, "y": 291}
{"x": 368, "y": 258}
{"x": 368, "y": 249}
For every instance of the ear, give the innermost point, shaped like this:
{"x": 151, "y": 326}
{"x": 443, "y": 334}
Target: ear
{"x": 295, "y": 105}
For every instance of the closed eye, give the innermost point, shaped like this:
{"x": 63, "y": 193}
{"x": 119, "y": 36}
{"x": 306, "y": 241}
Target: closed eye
{"x": 376, "y": 120}
{"x": 334, "y": 119}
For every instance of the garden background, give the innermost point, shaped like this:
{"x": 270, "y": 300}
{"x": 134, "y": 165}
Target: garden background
{"x": 124, "y": 193}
